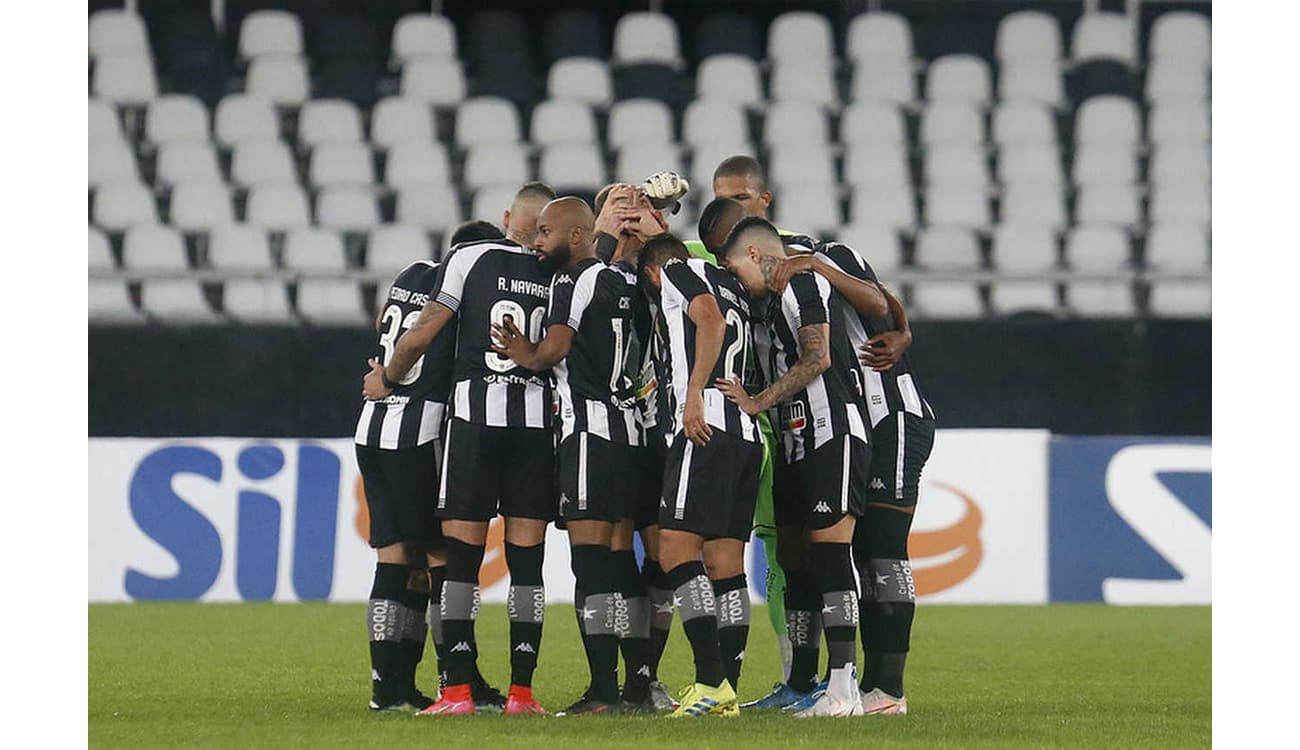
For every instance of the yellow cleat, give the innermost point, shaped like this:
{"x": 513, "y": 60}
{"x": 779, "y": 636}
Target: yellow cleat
{"x": 701, "y": 700}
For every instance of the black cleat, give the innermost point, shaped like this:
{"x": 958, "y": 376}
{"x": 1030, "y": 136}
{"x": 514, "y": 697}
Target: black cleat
{"x": 487, "y": 699}
{"x": 419, "y": 701}
{"x": 644, "y": 706}
{"x": 587, "y": 704}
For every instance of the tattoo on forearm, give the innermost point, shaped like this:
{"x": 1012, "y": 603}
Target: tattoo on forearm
{"x": 812, "y": 345}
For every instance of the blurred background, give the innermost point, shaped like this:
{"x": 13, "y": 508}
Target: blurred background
{"x": 1033, "y": 177}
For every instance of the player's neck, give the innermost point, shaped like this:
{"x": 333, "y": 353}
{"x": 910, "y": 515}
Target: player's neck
{"x": 579, "y": 254}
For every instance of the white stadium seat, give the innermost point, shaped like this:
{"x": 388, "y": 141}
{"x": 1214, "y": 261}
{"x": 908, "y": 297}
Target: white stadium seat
{"x": 495, "y": 164}
{"x": 1026, "y": 82}
{"x": 1178, "y": 247}
{"x": 1097, "y": 248}
{"x": 1180, "y": 35}
{"x": 258, "y": 161}
{"x": 486, "y": 119}
{"x": 241, "y": 247}
{"x": 1174, "y": 80}
{"x": 282, "y": 80}
{"x": 800, "y": 36}
{"x": 110, "y": 302}
{"x": 947, "y": 249}
{"x": 1101, "y": 299}
{"x": 1108, "y": 204}
{"x": 314, "y": 249}
{"x": 1107, "y": 119}
{"x": 101, "y": 255}
{"x": 1028, "y": 35}
{"x": 269, "y": 32}
{"x": 397, "y": 119}
{"x": 341, "y": 163}
{"x": 952, "y": 164}
{"x": 564, "y": 121}
{"x": 431, "y": 206}
{"x": 1180, "y": 162}
{"x": 277, "y": 206}
{"x": 491, "y": 203}
{"x": 637, "y": 161}
{"x": 438, "y": 81}
{"x": 187, "y": 161}
{"x": 153, "y": 248}
{"x": 1031, "y": 163}
{"x": 794, "y": 165}
{"x": 883, "y": 35}
{"x": 645, "y": 37}
{"x": 1030, "y": 203}
{"x": 103, "y": 121}
{"x": 115, "y": 31}
{"x": 642, "y": 121}
{"x": 259, "y": 301}
{"x": 729, "y": 77}
{"x": 882, "y": 165}
{"x": 347, "y": 209}
{"x": 952, "y": 122}
{"x": 572, "y": 166}
{"x": 809, "y": 83}
{"x": 393, "y": 247}
{"x": 1103, "y": 36}
{"x": 417, "y": 161}
{"x": 200, "y": 206}
{"x": 178, "y": 301}
{"x": 795, "y": 122}
{"x": 1008, "y": 297}
{"x": 111, "y": 160}
{"x": 883, "y": 79}
{"x": 124, "y": 80}
{"x": 1181, "y": 203}
{"x": 124, "y": 204}
{"x": 1024, "y": 248}
{"x": 1104, "y": 164}
{"x": 1180, "y": 299}
{"x": 1179, "y": 122}
{"x": 879, "y": 245}
{"x": 872, "y": 122}
{"x": 812, "y": 207}
{"x": 712, "y": 120}
{"x": 955, "y": 300}
{"x": 706, "y": 158}
{"x": 322, "y": 120}
{"x": 176, "y": 117}
{"x": 423, "y": 35}
{"x": 1023, "y": 123}
{"x": 957, "y": 205}
{"x": 582, "y": 79}
{"x": 242, "y": 117}
{"x": 961, "y": 78}
{"x": 331, "y": 302}
{"x": 883, "y": 206}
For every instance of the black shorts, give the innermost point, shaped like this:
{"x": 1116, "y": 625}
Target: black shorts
{"x": 401, "y": 489}
{"x": 486, "y": 470}
{"x": 596, "y": 478}
{"x": 898, "y": 453}
{"x": 711, "y": 490}
{"x": 649, "y": 484}
{"x": 828, "y": 484}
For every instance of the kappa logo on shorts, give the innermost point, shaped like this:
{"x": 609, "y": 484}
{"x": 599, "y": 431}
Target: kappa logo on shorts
{"x": 876, "y": 484}
{"x": 821, "y": 507}
{"x": 564, "y": 499}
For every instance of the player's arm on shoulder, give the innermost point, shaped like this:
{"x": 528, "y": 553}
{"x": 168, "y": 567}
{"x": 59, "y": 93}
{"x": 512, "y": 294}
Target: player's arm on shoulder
{"x": 882, "y": 351}
{"x": 865, "y": 296}
{"x": 411, "y": 345}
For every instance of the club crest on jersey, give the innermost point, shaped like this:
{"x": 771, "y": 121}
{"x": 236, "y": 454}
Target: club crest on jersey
{"x": 795, "y": 417}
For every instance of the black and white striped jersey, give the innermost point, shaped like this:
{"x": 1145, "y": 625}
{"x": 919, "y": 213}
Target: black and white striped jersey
{"x": 888, "y": 392}
{"x": 595, "y": 381}
{"x": 831, "y": 405}
{"x": 683, "y": 281}
{"x": 487, "y": 282}
{"x": 412, "y": 414}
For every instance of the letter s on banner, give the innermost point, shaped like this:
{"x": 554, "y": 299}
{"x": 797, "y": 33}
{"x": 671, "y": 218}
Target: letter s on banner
{"x": 175, "y": 524}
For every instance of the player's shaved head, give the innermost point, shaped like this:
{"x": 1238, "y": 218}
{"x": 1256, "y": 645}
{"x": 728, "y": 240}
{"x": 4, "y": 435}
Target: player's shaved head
{"x": 716, "y": 221}
{"x": 521, "y": 219}
{"x": 743, "y": 179}
{"x": 566, "y": 229}
{"x": 569, "y": 211}
{"x": 752, "y": 251}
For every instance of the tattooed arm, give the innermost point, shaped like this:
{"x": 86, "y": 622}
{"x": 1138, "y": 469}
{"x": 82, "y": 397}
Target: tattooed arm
{"x": 411, "y": 345}
{"x": 814, "y": 359}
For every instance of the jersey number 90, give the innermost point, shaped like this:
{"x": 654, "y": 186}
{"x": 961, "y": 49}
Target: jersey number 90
{"x": 530, "y": 325}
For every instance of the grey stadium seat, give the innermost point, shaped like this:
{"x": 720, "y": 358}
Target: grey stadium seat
{"x": 1101, "y": 299}
{"x": 1103, "y": 36}
{"x": 1007, "y": 297}
{"x": 178, "y": 301}
{"x": 200, "y": 206}
{"x": 1031, "y": 163}
{"x": 872, "y": 122}
{"x": 883, "y": 35}
{"x": 564, "y": 121}
{"x": 1179, "y": 122}
{"x": 331, "y": 302}
{"x": 124, "y": 80}
{"x": 260, "y": 161}
{"x": 491, "y": 203}
{"x": 436, "y": 81}
{"x": 1020, "y": 122}
{"x": 1038, "y": 84}
{"x": 269, "y": 32}
{"x": 879, "y": 245}
{"x": 486, "y": 119}
{"x": 423, "y": 35}
{"x": 812, "y": 84}
{"x": 1181, "y": 203}
{"x": 638, "y": 161}
{"x": 952, "y": 122}
{"x": 883, "y": 206}
{"x": 415, "y": 162}
{"x": 711, "y": 120}
{"x": 1180, "y": 35}
{"x": 397, "y": 119}
{"x": 153, "y": 248}
{"x": 952, "y": 164}
{"x": 1028, "y": 35}
{"x": 260, "y": 301}
{"x": 124, "y": 204}
{"x": 956, "y": 206}
{"x": 187, "y": 161}
{"x": 239, "y": 247}
{"x": 282, "y": 80}
{"x": 580, "y": 79}
{"x": 1097, "y": 248}
{"x": 792, "y": 166}
{"x": 882, "y": 165}
{"x": 641, "y": 37}
{"x": 1024, "y": 248}
{"x": 113, "y": 31}
{"x": 496, "y": 164}
{"x": 946, "y": 300}
{"x": 963, "y": 78}
{"x": 1108, "y": 204}
{"x": 432, "y": 207}
{"x": 110, "y": 302}
{"x": 1180, "y": 299}
{"x": 242, "y": 117}
{"x": 111, "y": 160}
{"x": 176, "y": 117}
{"x": 1107, "y": 119}
{"x": 731, "y": 78}
{"x": 798, "y": 36}
{"x": 314, "y": 249}
{"x": 814, "y": 208}
{"x": 947, "y": 249}
{"x": 1104, "y": 164}
{"x": 341, "y": 163}
{"x": 323, "y": 120}
{"x": 347, "y": 209}
{"x": 103, "y": 121}
{"x": 883, "y": 79}
{"x": 1178, "y": 247}
{"x": 1030, "y": 203}
{"x": 101, "y": 255}
{"x": 790, "y": 122}
{"x": 277, "y": 206}
{"x": 393, "y": 247}
{"x": 572, "y": 166}
{"x": 640, "y": 121}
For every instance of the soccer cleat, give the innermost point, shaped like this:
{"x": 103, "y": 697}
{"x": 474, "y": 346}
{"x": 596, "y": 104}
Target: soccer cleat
{"x": 877, "y": 702}
{"x": 830, "y": 706}
{"x": 487, "y": 699}
{"x": 419, "y": 701}
{"x": 781, "y": 696}
{"x": 806, "y": 702}
{"x": 400, "y": 706}
{"x": 455, "y": 700}
{"x": 588, "y": 704}
{"x": 730, "y": 710}
{"x": 663, "y": 700}
{"x": 699, "y": 699}
{"x": 521, "y": 703}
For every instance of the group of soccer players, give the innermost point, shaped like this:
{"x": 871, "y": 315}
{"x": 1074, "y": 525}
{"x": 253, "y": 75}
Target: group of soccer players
{"x": 587, "y": 367}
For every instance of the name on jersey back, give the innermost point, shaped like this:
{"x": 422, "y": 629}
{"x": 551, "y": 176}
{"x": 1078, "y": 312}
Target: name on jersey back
{"x": 521, "y": 286}
{"x": 399, "y": 294}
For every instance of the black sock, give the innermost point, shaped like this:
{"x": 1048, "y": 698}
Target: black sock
{"x": 888, "y": 597}
{"x": 634, "y": 640}
{"x": 661, "y": 612}
{"x": 385, "y": 622}
{"x": 833, "y": 564}
{"x": 733, "y": 623}
{"x": 697, "y": 608}
{"x": 460, "y": 601}
{"x": 594, "y": 572}
{"x": 526, "y": 604}
{"x": 803, "y": 628}
{"x": 416, "y": 631}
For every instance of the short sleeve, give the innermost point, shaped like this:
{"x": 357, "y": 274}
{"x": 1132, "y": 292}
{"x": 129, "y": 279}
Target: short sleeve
{"x": 805, "y": 300}
{"x": 450, "y": 286}
{"x": 688, "y": 279}
{"x": 558, "y": 309}
{"x": 847, "y": 260}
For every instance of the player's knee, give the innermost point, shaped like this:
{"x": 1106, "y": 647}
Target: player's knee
{"x": 393, "y": 554}
{"x": 525, "y": 564}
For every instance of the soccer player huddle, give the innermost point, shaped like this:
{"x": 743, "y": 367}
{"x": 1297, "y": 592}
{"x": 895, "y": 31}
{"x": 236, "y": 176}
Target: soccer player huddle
{"x": 584, "y": 366}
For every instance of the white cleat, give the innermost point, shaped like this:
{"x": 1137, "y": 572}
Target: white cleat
{"x": 829, "y": 705}
{"x": 879, "y": 703}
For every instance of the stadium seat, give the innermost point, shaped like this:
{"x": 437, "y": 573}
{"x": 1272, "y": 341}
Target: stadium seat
{"x": 800, "y": 36}
{"x": 1037, "y": 84}
{"x": 103, "y": 121}
{"x": 393, "y": 247}
{"x": 1179, "y": 162}
{"x": 399, "y": 119}
{"x": 277, "y": 206}
{"x": 176, "y": 301}
{"x": 952, "y": 164}
{"x": 727, "y": 34}
{"x": 109, "y": 301}
{"x": 581, "y": 79}
{"x": 956, "y": 205}
{"x": 153, "y": 248}
{"x": 438, "y": 81}
{"x": 1181, "y": 203}
{"x": 416, "y": 161}
{"x": 1101, "y": 299}
{"x": 110, "y": 160}
{"x": 879, "y": 35}
{"x": 955, "y": 300}
{"x": 182, "y": 161}
{"x": 794, "y": 165}
{"x": 1103, "y": 35}
{"x": 1107, "y": 119}
{"x": 791, "y": 122}
{"x": 242, "y": 117}
{"x": 638, "y": 161}
{"x": 124, "y": 80}
{"x": 1031, "y": 164}
{"x": 1181, "y": 122}
{"x": 422, "y": 35}
{"x": 331, "y": 302}
{"x": 1180, "y": 299}
{"x": 1180, "y": 35}
{"x": 884, "y": 207}
{"x": 341, "y": 163}
{"x": 1104, "y": 164}
{"x": 1028, "y": 36}
{"x": 814, "y": 208}
{"x": 239, "y": 247}
{"x": 712, "y": 120}
{"x": 731, "y": 78}
{"x": 270, "y": 32}
{"x": 322, "y": 120}
{"x": 1177, "y": 247}
{"x": 564, "y": 121}
{"x": 431, "y": 206}
{"x": 200, "y": 206}
{"x": 639, "y": 121}
{"x": 281, "y": 80}
{"x": 878, "y": 245}
{"x": 314, "y": 249}
{"x": 1174, "y": 80}
{"x": 1008, "y": 297}
{"x": 176, "y": 117}
{"x": 883, "y": 79}
{"x": 1023, "y": 123}
{"x": 117, "y": 32}
{"x": 1024, "y": 248}
{"x": 123, "y": 204}
{"x": 1097, "y": 248}
{"x": 1033, "y": 203}
{"x": 258, "y": 161}
{"x": 572, "y": 166}
{"x": 872, "y": 122}
{"x": 486, "y": 120}
{"x": 101, "y": 254}
{"x": 809, "y": 83}
{"x": 951, "y": 122}
{"x": 652, "y": 81}
{"x": 495, "y": 164}
{"x": 959, "y": 78}
{"x": 347, "y": 209}
{"x": 574, "y": 33}
{"x": 947, "y": 249}
{"x": 258, "y": 301}
{"x": 878, "y": 165}
{"x": 1107, "y": 204}
{"x": 706, "y": 157}
{"x": 491, "y": 203}
{"x": 641, "y": 37}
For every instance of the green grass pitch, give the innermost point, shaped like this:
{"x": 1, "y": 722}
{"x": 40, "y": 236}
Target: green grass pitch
{"x": 297, "y": 675}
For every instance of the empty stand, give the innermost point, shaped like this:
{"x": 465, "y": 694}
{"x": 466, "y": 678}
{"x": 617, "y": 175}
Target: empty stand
{"x": 239, "y": 247}
{"x": 176, "y": 301}
{"x": 1101, "y": 299}
{"x": 953, "y": 300}
{"x": 314, "y": 249}
{"x": 331, "y": 302}
{"x": 109, "y": 301}
{"x": 1012, "y": 297}
{"x": 1177, "y": 247}
{"x": 393, "y": 247}
{"x": 1179, "y": 299}
{"x": 415, "y": 162}
{"x": 322, "y": 120}
{"x": 123, "y": 204}
{"x": 1097, "y": 248}
{"x": 257, "y": 301}
{"x": 153, "y": 248}
{"x": 397, "y": 119}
